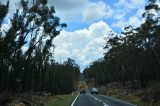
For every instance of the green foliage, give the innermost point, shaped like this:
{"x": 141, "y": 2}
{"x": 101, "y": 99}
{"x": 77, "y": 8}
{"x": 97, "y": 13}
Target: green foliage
{"x": 4, "y": 11}
{"x": 64, "y": 100}
{"x": 134, "y": 58}
{"x": 33, "y": 69}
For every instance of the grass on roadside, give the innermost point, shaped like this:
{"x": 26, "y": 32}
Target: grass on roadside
{"x": 140, "y": 97}
{"x": 61, "y": 100}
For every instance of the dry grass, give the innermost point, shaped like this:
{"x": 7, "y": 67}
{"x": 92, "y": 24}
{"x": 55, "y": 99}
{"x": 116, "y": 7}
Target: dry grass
{"x": 142, "y": 97}
{"x": 25, "y": 99}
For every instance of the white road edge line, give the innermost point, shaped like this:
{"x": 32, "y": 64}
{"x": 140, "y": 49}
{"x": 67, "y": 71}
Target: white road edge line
{"x": 99, "y": 100}
{"x": 74, "y": 100}
{"x": 119, "y": 100}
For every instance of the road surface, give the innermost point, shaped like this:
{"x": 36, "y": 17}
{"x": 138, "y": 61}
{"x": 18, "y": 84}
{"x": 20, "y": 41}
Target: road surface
{"x": 98, "y": 100}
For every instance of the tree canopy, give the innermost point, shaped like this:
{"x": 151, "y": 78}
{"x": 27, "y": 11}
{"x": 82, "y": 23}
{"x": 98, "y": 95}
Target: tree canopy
{"x": 27, "y": 51}
{"x": 133, "y": 57}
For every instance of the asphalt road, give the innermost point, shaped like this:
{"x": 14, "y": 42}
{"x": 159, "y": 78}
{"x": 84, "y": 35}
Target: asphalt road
{"x": 98, "y": 100}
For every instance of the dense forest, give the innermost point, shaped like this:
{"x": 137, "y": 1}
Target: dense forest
{"x": 27, "y": 51}
{"x": 132, "y": 57}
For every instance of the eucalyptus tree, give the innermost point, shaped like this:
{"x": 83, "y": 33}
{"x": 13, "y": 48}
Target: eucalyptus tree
{"x": 33, "y": 27}
{"x": 135, "y": 56}
{"x": 3, "y": 13}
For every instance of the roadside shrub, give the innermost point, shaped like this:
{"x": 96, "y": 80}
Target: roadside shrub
{"x": 5, "y": 98}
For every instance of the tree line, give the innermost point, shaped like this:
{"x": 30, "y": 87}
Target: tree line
{"x": 27, "y": 51}
{"x": 132, "y": 57}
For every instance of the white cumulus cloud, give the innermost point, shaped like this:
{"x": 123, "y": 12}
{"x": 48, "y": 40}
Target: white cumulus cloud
{"x": 84, "y": 46}
{"x": 128, "y": 12}
{"x": 81, "y": 10}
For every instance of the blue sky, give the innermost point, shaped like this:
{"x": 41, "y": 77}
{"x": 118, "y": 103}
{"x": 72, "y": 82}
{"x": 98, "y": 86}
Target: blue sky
{"x": 89, "y": 22}
{"x": 110, "y": 11}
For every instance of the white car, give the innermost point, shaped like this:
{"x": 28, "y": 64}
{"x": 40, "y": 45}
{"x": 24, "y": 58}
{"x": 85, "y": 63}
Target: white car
{"x": 94, "y": 91}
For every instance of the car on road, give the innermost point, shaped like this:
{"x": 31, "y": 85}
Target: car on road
{"x": 82, "y": 91}
{"x": 94, "y": 91}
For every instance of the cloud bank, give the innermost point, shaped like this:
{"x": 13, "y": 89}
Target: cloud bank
{"x": 85, "y": 46}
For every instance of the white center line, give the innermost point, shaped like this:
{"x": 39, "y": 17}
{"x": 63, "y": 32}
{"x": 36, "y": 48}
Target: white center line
{"x": 104, "y": 104}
